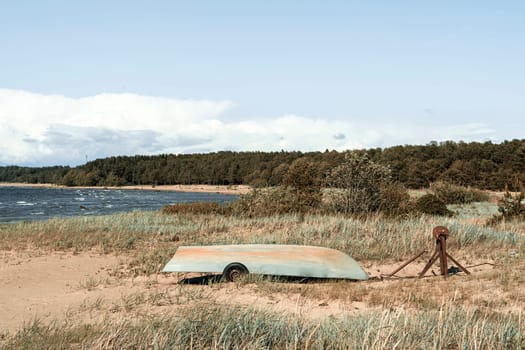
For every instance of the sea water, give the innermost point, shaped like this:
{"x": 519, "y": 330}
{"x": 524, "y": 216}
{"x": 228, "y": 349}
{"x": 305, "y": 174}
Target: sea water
{"x": 28, "y": 203}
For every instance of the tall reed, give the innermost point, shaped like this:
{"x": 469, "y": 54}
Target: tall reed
{"x": 205, "y": 327}
{"x": 373, "y": 237}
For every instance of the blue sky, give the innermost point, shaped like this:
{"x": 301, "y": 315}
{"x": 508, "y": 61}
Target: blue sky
{"x": 98, "y": 78}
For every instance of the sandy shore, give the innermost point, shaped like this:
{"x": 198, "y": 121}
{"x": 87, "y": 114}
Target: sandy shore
{"x": 85, "y": 287}
{"x": 237, "y": 189}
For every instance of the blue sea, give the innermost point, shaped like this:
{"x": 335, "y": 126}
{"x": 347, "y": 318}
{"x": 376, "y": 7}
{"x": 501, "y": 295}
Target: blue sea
{"x": 27, "y": 203}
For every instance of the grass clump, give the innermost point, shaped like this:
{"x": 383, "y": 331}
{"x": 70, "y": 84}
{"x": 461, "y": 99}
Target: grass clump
{"x": 152, "y": 261}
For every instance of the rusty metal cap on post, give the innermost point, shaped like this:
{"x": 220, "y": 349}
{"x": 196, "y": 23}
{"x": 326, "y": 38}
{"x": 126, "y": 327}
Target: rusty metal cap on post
{"x": 440, "y": 231}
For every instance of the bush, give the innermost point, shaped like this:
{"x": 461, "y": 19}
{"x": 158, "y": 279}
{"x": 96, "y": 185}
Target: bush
{"x": 300, "y": 193}
{"x": 432, "y": 205}
{"x": 302, "y": 184}
{"x": 454, "y": 194}
{"x": 361, "y": 186}
{"x": 395, "y": 199}
{"x": 265, "y": 202}
{"x": 511, "y": 207}
{"x": 194, "y": 208}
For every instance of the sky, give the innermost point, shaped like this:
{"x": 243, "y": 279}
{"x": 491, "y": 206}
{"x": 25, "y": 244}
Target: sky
{"x": 81, "y": 80}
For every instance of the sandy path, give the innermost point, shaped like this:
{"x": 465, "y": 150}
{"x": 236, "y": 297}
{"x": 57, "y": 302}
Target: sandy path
{"x": 46, "y": 286}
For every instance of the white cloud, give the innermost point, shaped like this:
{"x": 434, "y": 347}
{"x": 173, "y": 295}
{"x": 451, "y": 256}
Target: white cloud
{"x": 41, "y": 129}
{"x": 38, "y": 128}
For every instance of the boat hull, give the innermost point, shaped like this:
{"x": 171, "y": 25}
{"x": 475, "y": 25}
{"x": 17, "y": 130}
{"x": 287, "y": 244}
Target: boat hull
{"x": 268, "y": 259}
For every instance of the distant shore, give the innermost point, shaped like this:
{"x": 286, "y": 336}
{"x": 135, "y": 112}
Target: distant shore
{"x": 236, "y": 189}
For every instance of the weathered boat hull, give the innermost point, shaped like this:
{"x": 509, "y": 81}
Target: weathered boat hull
{"x": 268, "y": 259}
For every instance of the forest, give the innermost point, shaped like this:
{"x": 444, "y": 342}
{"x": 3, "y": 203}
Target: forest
{"x": 483, "y": 165}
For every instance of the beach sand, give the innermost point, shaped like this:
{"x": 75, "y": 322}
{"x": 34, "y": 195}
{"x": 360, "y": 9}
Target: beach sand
{"x": 236, "y": 189}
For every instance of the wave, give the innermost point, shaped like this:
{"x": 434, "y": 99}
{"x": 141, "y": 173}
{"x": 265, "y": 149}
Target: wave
{"x": 24, "y": 203}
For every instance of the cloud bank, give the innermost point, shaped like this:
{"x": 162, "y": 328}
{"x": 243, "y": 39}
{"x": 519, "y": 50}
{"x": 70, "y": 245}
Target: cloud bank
{"x": 39, "y": 129}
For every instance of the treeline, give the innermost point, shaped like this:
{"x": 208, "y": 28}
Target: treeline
{"x": 482, "y": 165}
{"x": 45, "y": 175}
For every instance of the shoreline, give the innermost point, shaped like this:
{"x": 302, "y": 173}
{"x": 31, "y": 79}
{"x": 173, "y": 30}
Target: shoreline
{"x": 234, "y": 190}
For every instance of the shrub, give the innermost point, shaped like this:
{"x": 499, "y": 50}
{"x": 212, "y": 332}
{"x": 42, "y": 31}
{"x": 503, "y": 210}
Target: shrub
{"x": 395, "y": 199}
{"x": 432, "y": 205}
{"x": 300, "y": 193}
{"x": 265, "y": 202}
{"x": 303, "y": 186}
{"x": 511, "y": 206}
{"x": 194, "y": 208}
{"x": 361, "y": 186}
{"x": 454, "y": 194}
{"x": 258, "y": 183}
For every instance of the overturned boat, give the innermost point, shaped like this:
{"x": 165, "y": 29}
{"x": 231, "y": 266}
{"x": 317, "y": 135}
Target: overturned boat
{"x": 266, "y": 259}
